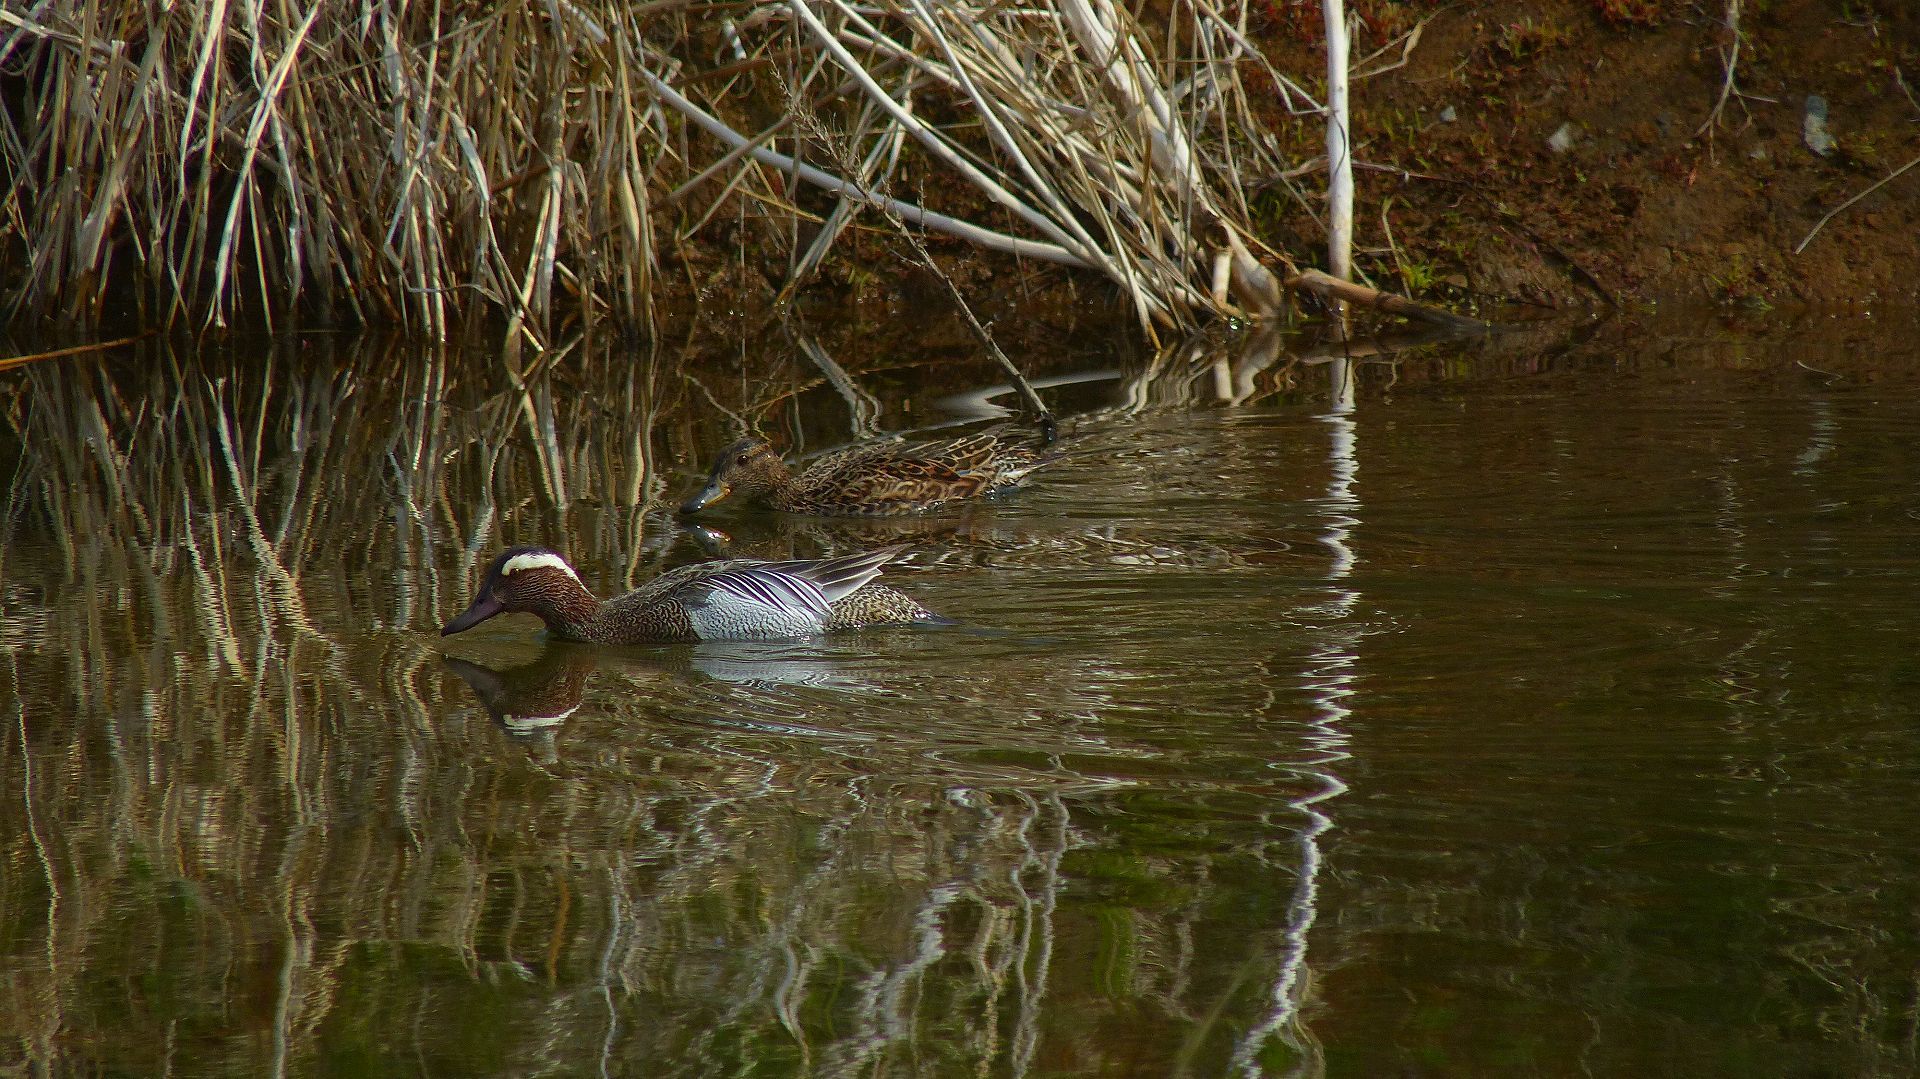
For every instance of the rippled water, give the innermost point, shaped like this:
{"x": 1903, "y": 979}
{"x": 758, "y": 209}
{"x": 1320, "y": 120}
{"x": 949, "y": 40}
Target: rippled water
{"x": 1543, "y": 705}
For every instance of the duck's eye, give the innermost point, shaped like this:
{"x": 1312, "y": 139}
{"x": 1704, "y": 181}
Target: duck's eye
{"x": 740, "y": 460}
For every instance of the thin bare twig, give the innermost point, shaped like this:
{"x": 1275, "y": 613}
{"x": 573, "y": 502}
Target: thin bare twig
{"x": 1731, "y": 57}
{"x": 1831, "y": 214}
{"x": 1049, "y": 427}
{"x": 1900, "y": 80}
{"x": 1042, "y": 415}
{"x": 1407, "y": 42}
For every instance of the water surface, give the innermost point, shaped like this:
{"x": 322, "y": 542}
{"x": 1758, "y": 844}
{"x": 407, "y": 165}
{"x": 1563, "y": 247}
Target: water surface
{"x": 1542, "y": 705}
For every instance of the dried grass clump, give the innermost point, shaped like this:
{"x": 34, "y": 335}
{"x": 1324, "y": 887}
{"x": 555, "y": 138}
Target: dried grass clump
{"x": 413, "y": 163}
{"x": 391, "y": 161}
{"x": 1107, "y": 151}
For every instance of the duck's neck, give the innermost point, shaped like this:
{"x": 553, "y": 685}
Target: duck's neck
{"x": 572, "y": 613}
{"x": 779, "y": 478}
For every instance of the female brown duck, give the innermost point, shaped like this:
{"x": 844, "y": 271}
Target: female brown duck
{"x": 873, "y": 480}
{"x": 735, "y": 599}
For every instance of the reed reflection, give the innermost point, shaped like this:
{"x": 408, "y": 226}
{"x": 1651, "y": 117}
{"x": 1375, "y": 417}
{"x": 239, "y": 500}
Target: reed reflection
{"x": 244, "y": 772}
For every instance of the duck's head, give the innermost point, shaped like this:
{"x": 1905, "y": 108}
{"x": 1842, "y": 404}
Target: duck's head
{"x": 748, "y": 468}
{"x": 536, "y": 580}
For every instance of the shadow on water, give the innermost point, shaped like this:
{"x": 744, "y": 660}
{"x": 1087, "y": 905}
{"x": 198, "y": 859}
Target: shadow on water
{"x": 1297, "y": 720}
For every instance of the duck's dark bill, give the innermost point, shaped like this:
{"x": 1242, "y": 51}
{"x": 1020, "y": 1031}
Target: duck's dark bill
{"x": 711, "y": 493}
{"x": 483, "y": 608}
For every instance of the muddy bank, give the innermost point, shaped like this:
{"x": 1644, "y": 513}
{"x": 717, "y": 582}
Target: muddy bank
{"x": 1550, "y": 155}
{"x": 1639, "y": 198}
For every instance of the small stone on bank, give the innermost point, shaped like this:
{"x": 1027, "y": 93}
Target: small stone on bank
{"x": 1814, "y": 128}
{"x": 1562, "y": 140}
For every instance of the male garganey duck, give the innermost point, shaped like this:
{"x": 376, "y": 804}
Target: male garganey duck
{"x": 873, "y": 480}
{"x": 735, "y": 599}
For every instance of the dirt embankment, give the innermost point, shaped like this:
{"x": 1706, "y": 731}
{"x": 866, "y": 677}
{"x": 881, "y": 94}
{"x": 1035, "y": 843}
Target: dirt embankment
{"x": 1559, "y": 151}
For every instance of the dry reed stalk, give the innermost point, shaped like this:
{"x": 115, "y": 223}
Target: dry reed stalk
{"x": 246, "y": 156}
{"x": 412, "y": 163}
{"x": 1339, "y": 147}
{"x": 1116, "y": 179}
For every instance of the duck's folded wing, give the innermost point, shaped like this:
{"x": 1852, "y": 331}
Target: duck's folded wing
{"x": 973, "y": 453}
{"x": 770, "y": 585}
{"x": 909, "y": 483}
{"x": 770, "y": 600}
{"x": 752, "y": 603}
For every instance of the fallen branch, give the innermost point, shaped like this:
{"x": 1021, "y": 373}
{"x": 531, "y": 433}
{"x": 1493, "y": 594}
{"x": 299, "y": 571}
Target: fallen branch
{"x": 934, "y": 145}
{"x": 17, "y": 361}
{"x": 1332, "y": 288}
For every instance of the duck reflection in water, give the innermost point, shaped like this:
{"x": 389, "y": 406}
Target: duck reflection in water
{"x": 532, "y": 700}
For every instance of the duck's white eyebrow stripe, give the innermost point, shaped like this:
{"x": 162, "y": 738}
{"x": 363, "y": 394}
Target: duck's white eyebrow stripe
{"x": 536, "y": 560}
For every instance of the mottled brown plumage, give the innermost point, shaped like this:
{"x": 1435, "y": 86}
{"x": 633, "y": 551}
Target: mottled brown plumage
{"x": 872, "y": 480}
{"x": 732, "y": 599}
